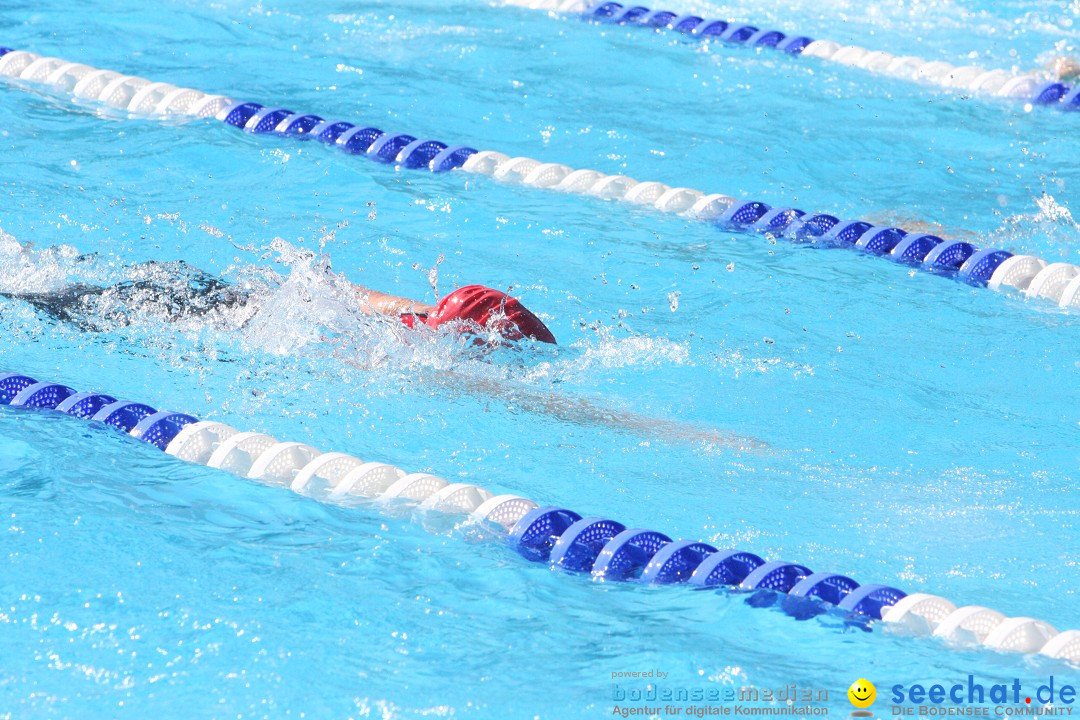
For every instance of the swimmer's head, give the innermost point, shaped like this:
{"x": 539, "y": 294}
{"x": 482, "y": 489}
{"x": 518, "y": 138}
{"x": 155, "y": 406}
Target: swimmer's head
{"x": 491, "y": 309}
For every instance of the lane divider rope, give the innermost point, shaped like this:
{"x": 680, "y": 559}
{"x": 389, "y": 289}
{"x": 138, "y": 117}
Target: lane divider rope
{"x": 1032, "y": 88}
{"x": 1000, "y": 269}
{"x": 604, "y": 548}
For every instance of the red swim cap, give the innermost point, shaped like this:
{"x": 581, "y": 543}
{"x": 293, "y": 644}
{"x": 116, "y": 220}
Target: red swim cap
{"x": 409, "y": 319}
{"x": 479, "y": 304}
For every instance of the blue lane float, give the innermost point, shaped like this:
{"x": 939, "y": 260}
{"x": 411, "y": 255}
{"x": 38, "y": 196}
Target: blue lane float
{"x": 384, "y": 147}
{"x": 696, "y": 27}
{"x": 566, "y": 540}
{"x": 725, "y": 567}
{"x": 675, "y": 562}
{"x": 608, "y": 550}
{"x": 626, "y": 555}
{"x": 42, "y": 395}
{"x": 1047, "y": 93}
{"x": 960, "y": 260}
{"x": 85, "y": 405}
{"x": 142, "y": 421}
{"x": 560, "y": 538}
{"x": 579, "y": 546}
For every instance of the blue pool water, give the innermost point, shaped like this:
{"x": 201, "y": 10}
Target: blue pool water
{"x": 918, "y": 432}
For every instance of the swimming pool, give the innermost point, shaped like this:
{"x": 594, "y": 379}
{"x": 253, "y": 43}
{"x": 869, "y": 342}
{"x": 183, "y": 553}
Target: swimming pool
{"x": 919, "y": 432}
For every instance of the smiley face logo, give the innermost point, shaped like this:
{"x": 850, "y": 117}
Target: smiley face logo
{"x": 862, "y": 693}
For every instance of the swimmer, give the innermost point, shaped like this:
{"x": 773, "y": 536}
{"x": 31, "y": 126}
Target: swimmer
{"x": 175, "y": 291}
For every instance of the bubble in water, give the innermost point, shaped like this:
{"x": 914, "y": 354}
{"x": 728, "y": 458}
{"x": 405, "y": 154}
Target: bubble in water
{"x": 433, "y": 274}
{"x": 673, "y": 300}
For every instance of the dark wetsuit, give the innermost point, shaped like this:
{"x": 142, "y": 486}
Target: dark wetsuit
{"x": 170, "y": 291}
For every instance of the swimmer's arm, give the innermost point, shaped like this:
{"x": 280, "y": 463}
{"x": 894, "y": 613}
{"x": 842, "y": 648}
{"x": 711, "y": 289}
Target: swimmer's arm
{"x": 380, "y": 303}
{"x": 562, "y": 407}
{"x": 581, "y": 411}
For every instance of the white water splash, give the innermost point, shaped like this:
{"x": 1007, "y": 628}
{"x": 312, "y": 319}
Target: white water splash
{"x": 1051, "y": 232}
